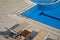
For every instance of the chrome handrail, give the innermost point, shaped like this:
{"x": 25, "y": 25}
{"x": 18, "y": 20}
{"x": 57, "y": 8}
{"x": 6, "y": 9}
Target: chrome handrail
{"x": 56, "y": 1}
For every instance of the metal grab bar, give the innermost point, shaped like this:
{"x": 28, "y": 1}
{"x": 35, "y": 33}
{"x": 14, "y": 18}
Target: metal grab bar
{"x": 56, "y": 1}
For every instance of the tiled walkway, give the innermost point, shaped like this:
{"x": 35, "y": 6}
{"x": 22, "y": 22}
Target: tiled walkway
{"x": 9, "y": 7}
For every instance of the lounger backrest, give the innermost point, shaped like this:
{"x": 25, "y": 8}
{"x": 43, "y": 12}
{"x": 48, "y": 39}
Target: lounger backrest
{"x": 21, "y": 27}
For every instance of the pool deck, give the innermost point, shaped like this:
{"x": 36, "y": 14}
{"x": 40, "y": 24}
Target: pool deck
{"x": 9, "y": 13}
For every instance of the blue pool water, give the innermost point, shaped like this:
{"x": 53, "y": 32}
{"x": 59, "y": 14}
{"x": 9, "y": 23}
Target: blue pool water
{"x": 49, "y": 17}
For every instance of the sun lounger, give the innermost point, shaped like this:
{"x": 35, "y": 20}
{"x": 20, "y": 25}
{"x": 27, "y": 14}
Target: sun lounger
{"x": 41, "y": 35}
{"x": 15, "y": 32}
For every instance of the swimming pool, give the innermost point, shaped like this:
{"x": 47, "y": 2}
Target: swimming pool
{"x": 48, "y": 17}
